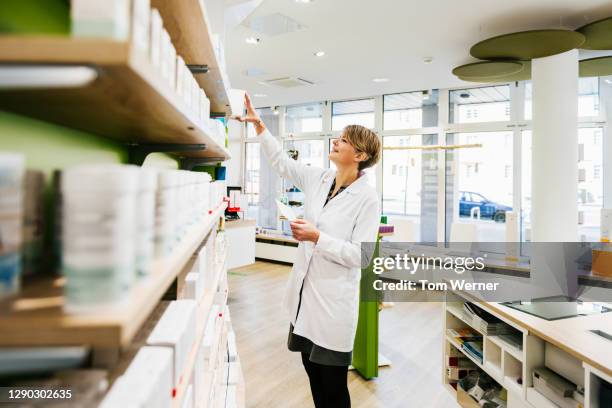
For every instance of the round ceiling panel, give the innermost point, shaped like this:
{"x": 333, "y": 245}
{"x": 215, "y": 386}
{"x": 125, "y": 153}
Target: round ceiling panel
{"x": 601, "y": 66}
{"x": 522, "y": 75}
{"x": 598, "y": 35}
{"x": 488, "y": 69}
{"x": 527, "y": 45}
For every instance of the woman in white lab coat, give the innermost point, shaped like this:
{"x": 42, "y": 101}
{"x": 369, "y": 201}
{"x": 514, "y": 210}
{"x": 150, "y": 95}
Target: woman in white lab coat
{"x": 322, "y": 297}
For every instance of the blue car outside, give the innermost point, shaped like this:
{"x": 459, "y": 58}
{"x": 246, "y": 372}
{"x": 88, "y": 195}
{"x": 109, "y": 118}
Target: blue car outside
{"x": 488, "y": 209}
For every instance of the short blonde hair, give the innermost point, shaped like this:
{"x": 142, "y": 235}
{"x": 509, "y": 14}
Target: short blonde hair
{"x": 365, "y": 141}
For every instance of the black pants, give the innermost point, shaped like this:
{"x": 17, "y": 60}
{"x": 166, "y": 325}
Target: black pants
{"x": 328, "y": 384}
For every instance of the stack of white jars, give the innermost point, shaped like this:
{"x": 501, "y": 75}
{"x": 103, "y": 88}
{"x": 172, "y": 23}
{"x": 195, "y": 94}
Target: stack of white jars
{"x": 98, "y": 234}
{"x": 145, "y": 245}
{"x": 12, "y": 169}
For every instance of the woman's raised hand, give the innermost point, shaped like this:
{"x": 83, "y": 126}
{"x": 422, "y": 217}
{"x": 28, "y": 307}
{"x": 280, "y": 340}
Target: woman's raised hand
{"x": 251, "y": 116}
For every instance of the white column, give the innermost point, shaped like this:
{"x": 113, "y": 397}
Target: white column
{"x": 555, "y": 148}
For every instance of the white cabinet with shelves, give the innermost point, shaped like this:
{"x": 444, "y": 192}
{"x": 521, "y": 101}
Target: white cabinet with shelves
{"x": 512, "y": 366}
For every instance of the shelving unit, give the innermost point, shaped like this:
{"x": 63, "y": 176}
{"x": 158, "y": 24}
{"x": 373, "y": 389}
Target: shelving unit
{"x": 189, "y": 28}
{"x": 125, "y": 98}
{"x": 506, "y": 363}
{"x": 204, "y": 309}
{"x": 138, "y": 105}
{"x": 36, "y": 318}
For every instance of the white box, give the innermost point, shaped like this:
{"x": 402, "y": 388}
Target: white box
{"x": 195, "y": 98}
{"x": 234, "y": 376}
{"x": 231, "y": 399}
{"x": 176, "y": 330}
{"x": 155, "y": 39}
{"x": 204, "y": 107}
{"x": 193, "y": 286}
{"x": 172, "y": 65}
{"x": 210, "y": 343}
{"x": 94, "y": 18}
{"x": 236, "y": 100}
{"x": 188, "y": 401}
{"x": 220, "y": 394}
{"x": 151, "y": 374}
{"x": 165, "y": 54}
{"x": 121, "y": 395}
{"x": 232, "y": 350}
{"x": 187, "y": 78}
{"x": 180, "y": 68}
{"x": 140, "y": 24}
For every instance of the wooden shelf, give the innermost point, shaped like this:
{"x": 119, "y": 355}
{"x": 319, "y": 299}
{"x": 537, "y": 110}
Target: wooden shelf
{"x": 36, "y": 318}
{"x": 129, "y": 101}
{"x": 189, "y": 29}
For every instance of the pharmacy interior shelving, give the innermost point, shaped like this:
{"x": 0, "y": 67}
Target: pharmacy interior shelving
{"x": 128, "y": 101}
{"x": 506, "y": 363}
{"x": 35, "y": 317}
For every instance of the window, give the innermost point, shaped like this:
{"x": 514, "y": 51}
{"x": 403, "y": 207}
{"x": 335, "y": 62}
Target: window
{"x": 410, "y": 110}
{"x": 486, "y": 104}
{"x": 412, "y": 193}
{"x": 482, "y": 196}
{"x": 251, "y": 179}
{"x": 588, "y": 98}
{"x": 357, "y": 112}
{"x": 310, "y": 153}
{"x": 270, "y": 118}
{"x": 304, "y": 118}
{"x": 260, "y": 181}
{"x": 590, "y": 183}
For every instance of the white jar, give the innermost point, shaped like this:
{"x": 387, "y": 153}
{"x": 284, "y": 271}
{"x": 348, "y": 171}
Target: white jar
{"x": 98, "y": 234}
{"x": 145, "y": 245}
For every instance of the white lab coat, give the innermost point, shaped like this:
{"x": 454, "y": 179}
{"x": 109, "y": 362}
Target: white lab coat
{"x": 331, "y": 269}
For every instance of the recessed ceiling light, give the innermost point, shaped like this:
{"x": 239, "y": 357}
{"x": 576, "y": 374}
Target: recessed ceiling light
{"x": 303, "y": 1}
{"x": 319, "y": 53}
{"x": 252, "y": 40}
{"x": 259, "y": 95}
{"x": 379, "y": 80}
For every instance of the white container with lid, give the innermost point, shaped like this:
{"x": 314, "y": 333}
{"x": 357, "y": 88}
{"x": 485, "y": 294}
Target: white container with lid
{"x": 99, "y": 231}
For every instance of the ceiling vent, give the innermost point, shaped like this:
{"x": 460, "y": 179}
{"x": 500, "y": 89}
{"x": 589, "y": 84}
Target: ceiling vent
{"x": 273, "y": 24}
{"x": 288, "y": 82}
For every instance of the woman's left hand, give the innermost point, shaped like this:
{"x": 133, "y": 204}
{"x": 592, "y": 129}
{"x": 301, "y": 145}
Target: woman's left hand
{"x": 304, "y": 231}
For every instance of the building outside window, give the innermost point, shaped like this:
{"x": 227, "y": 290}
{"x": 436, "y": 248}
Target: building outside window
{"x": 484, "y": 104}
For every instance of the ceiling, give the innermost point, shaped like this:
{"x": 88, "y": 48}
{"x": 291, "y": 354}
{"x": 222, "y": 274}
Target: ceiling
{"x": 363, "y": 40}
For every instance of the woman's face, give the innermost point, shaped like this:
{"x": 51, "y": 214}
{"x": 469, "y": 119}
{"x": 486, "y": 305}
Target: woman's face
{"x": 342, "y": 153}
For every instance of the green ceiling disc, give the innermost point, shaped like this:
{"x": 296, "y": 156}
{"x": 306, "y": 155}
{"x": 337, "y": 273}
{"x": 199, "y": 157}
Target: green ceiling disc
{"x": 601, "y": 66}
{"x": 527, "y": 45}
{"x": 488, "y": 69}
{"x": 522, "y": 75}
{"x": 598, "y": 35}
